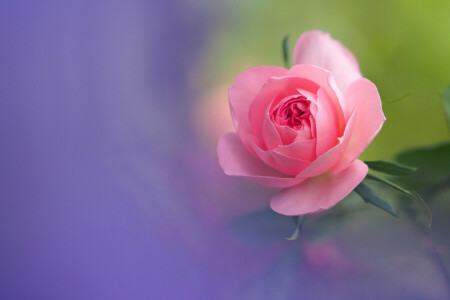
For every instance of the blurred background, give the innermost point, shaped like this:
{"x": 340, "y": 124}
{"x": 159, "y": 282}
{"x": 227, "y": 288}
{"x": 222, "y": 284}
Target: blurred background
{"x": 110, "y": 187}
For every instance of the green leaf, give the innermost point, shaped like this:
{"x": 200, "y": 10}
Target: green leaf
{"x": 412, "y": 194}
{"x": 390, "y": 168}
{"x": 446, "y": 104}
{"x": 370, "y": 197}
{"x": 397, "y": 99}
{"x": 298, "y": 227}
{"x": 285, "y": 48}
{"x": 433, "y": 161}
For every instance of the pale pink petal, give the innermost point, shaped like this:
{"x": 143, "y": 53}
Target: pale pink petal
{"x": 305, "y": 150}
{"x": 326, "y": 81}
{"x": 317, "y": 76}
{"x": 309, "y": 95}
{"x": 327, "y": 124}
{"x": 287, "y": 134}
{"x": 319, "y": 193}
{"x": 318, "y": 48}
{"x": 258, "y": 141}
{"x": 362, "y": 96}
{"x": 243, "y": 91}
{"x": 235, "y": 160}
{"x": 306, "y": 133}
{"x": 279, "y": 161}
{"x": 312, "y": 119}
{"x": 275, "y": 89}
{"x": 270, "y": 134}
{"x": 331, "y": 158}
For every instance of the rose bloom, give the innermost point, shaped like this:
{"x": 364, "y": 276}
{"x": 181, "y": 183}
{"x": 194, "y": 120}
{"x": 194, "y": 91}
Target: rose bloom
{"x": 303, "y": 129}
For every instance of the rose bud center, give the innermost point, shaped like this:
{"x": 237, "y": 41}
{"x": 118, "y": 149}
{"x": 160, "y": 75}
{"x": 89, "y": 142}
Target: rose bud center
{"x": 292, "y": 112}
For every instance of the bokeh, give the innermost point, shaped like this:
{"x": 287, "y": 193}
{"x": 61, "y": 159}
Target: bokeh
{"x": 110, "y": 187}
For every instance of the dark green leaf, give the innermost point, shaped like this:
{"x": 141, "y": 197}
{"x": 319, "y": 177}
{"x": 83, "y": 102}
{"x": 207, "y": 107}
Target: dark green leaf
{"x": 285, "y": 48}
{"x": 412, "y": 194}
{"x": 298, "y": 227}
{"x": 370, "y": 197}
{"x": 261, "y": 227}
{"x": 446, "y": 104}
{"x": 390, "y": 168}
{"x": 433, "y": 161}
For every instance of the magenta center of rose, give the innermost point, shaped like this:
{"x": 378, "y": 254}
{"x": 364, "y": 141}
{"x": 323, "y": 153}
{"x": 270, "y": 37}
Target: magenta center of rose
{"x": 292, "y": 112}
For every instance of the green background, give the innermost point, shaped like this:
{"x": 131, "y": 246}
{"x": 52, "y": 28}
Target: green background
{"x": 402, "y": 46}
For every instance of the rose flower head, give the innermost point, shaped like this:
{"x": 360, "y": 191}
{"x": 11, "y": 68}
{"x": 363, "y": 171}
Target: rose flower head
{"x": 303, "y": 129}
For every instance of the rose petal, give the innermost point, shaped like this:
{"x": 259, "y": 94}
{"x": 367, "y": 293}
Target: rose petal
{"x": 287, "y": 134}
{"x": 332, "y": 157}
{"x": 306, "y": 133}
{"x": 319, "y": 193}
{"x": 309, "y": 95}
{"x": 275, "y": 89}
{"x": 326, "y": 81}
{"x": 279, "y": 161}
{"x": 235, "y": 160}
{"x": 270, "y": 134}
{"x": 305, "y": 150}
{"x": 362, "y": 96}
{"x": 242, "y": 93}
{"x": 318, "y": 48}
{"x": 327, "y": 124}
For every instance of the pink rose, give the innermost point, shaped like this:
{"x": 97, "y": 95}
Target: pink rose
{"x": 303, "y": 129}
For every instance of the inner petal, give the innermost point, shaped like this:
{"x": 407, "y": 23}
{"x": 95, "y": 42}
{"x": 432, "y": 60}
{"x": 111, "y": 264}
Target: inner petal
{"x": 293, "y": 112}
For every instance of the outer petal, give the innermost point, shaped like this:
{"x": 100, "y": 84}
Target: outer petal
{"x": 235, "y": 160}
{"x": 242, "y": 93}
{"x": 318, "y": 48}
{"x": 319, "y": 193}
{"x": 362, "y": 96}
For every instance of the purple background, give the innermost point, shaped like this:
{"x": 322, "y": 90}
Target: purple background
{"x": 90, "y": 162}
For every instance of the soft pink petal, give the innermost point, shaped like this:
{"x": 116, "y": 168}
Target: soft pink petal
{"x": 319, "y": 193}
{"x": 258, "y": 141}
{"x": 242, "y": 93}
{"x": 279, "y": 161}
{"x": 275, "y": 89}
{"x": 312, "y": 119}
{"x": 362, "y": 96}
{"x": 318, "y": 48}
{"x": 270, "y": 134}
{"x": 309, "y": 95}
{"x": 317, "y": 75}
{"x": 326, "y": 81}
{"x": 327, "y": 123}
{"x": 287, "y": 134}
{"x": 332, "y": 157}
{"x": 305, "y": 150}
{"x": 235, "y": 160}
{"x": 306, "y": 133}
